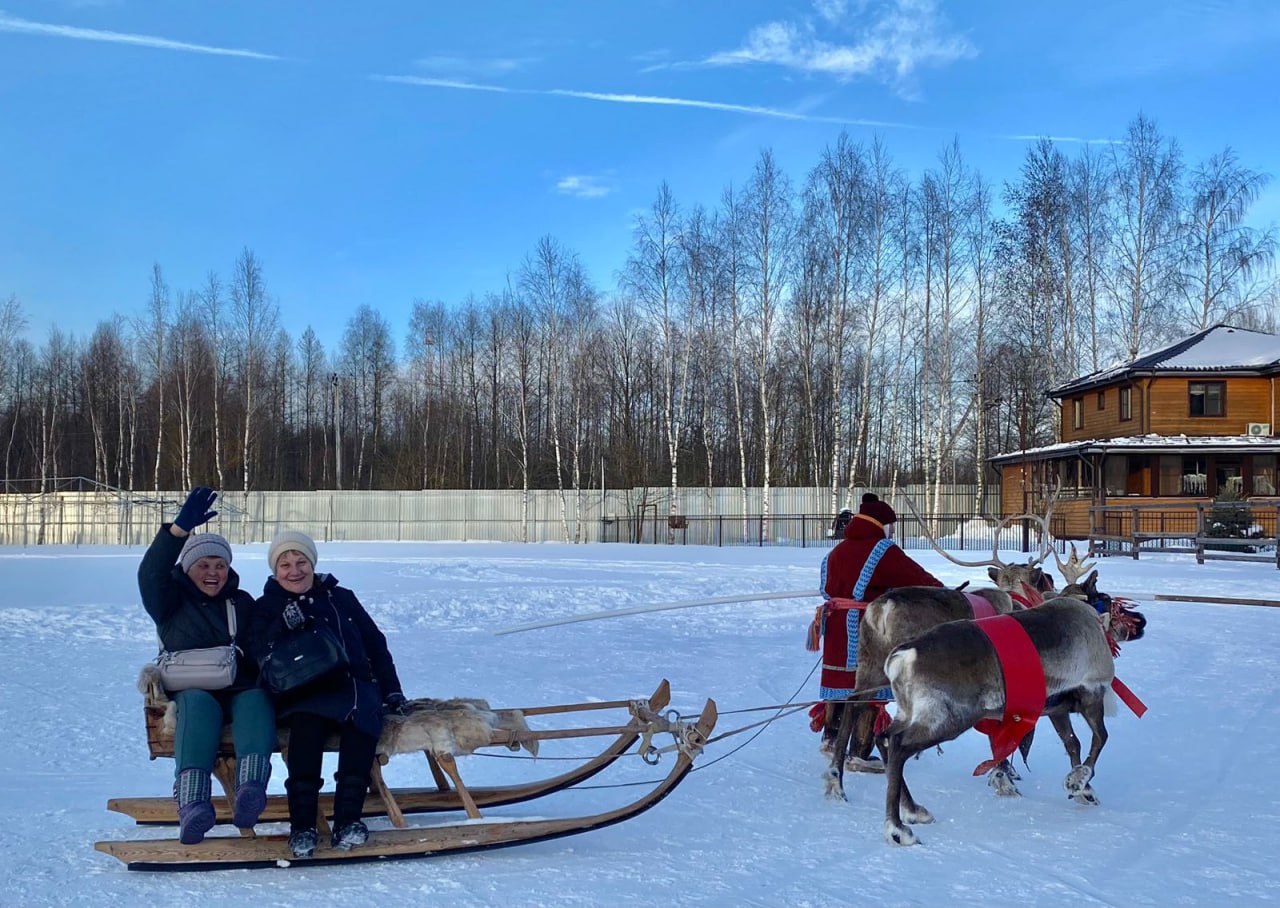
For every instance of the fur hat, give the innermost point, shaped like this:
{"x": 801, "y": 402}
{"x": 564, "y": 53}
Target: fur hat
{"x": 204, "y": 545}
{"x": 290, "y": 541}
{"x": 876, "y": 509}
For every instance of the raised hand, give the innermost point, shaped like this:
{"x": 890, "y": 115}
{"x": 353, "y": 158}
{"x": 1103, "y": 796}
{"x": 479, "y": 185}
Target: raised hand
{"x": 195, "y": 510}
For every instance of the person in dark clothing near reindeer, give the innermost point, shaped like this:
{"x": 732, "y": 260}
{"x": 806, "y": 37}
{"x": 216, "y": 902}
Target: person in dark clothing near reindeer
{"x": 865, "y": 564}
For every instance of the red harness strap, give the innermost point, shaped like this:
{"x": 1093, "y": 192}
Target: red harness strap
{"x": 1024, "y": 688}
{"x": 1128, "y": 697}
{"x": 982, "y": 608}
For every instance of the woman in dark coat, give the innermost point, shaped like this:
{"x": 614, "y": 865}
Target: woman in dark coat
{"x": 349, "y": 702}
{"x": 188, "y": 602}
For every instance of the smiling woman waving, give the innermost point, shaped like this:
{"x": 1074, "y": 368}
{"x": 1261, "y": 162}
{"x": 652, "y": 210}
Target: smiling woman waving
{"x": 190, "y": 591}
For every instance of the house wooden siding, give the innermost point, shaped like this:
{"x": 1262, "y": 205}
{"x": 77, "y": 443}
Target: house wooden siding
{"x": 1070, "y": 519}
{"x": 1162, "y": 461}
{"x": 1160, "y": 406}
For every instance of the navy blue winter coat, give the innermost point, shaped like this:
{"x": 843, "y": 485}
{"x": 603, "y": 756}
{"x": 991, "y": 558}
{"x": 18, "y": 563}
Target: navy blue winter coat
{"x": 354, "y": 695}
{"x": 188, "y": 619}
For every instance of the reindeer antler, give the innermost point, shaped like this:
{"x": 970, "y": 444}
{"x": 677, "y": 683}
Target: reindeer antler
{"x": 1073, "y": 568}
{"x": 994, "y": 561}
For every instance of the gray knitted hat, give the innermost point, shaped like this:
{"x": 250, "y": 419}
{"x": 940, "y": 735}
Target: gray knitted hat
{"x": 204, "y": 545}
{"x": 290, "y": 541}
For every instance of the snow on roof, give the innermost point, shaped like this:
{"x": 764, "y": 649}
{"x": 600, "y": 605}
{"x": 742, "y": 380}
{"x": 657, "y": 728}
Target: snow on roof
{"x": 1220, "y": 348}
{"x": 1145, "y": 442}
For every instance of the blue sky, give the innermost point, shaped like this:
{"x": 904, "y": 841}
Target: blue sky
{"x": 378, "y": 153}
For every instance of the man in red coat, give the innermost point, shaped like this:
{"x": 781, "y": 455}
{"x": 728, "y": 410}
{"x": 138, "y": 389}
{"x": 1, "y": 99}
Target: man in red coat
{"x": 869, "y": 538}
{"x": 865, "y": 564}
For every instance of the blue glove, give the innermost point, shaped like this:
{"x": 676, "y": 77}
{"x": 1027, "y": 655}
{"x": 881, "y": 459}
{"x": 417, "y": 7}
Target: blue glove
{"x": 396, "y": 703}
{"x": 195, "y": 510}
{"x": 294, "y": 617}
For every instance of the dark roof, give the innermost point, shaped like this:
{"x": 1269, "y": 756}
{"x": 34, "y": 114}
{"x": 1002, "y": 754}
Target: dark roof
{"x": 1220, "y": 349}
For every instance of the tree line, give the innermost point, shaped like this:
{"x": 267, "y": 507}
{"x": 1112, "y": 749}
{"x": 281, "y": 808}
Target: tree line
{"x": 855, "y": 327}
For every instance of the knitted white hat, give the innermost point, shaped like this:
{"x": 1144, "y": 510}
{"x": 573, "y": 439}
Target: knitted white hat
{"x": 291, "y": 541}
{"x": 204, "y": 545}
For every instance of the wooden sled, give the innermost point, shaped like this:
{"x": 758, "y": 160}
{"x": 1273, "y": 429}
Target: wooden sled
{"x": 250, "y": 850}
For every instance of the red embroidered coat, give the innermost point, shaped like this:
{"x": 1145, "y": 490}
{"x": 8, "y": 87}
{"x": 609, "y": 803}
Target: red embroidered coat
{"x": 843, "y": 564}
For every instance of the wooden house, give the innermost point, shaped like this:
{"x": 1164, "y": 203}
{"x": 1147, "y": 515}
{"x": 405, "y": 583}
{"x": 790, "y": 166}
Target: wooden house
{"x": 1189, "y": 424}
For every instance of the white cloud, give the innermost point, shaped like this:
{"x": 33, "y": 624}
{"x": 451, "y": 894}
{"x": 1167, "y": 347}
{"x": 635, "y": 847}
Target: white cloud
{"x": 894, "y": 40}
{"x": 583, "y": 187}
{"x": 25, "y": 26}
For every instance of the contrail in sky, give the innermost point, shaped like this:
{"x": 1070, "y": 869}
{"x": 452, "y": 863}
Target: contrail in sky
{"x": 613, "y": 98}
{"x": 25, "y": 26}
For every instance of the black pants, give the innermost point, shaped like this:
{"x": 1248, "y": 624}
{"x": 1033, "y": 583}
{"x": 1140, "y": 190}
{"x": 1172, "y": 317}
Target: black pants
{"x": 307, "y": 736}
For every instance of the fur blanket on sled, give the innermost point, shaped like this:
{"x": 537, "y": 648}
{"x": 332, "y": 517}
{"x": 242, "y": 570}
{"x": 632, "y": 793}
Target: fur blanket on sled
{"x": 458, "y": 726}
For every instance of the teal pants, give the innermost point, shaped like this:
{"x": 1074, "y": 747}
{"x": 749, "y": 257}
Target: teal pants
{"x": 201, "y": 715}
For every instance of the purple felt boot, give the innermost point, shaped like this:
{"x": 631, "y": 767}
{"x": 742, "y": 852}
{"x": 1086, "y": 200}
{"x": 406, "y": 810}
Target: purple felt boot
{"x": 195, "y": 811}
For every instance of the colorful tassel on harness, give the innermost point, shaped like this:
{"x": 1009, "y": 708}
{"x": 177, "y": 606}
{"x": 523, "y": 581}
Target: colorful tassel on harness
{"x": 818, "y": 716}
{"x": 813, "y": 640}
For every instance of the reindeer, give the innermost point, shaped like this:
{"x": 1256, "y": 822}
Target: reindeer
{"x": 949, "y": 678}
{"x": 907, "y": 612}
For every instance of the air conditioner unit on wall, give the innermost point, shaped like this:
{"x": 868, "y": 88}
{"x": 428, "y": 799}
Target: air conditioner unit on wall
{"x": 1257, "y": 428}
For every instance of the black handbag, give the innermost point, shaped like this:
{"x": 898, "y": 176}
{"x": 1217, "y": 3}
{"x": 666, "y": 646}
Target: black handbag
{"x": 301, "y": 658}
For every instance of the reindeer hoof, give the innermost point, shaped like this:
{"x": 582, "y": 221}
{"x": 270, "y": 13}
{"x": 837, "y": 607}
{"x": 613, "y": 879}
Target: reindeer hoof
{"x": 858, "y": 764}
{"x": 916, "y": 814}
{"x": 832, "y": 787}
{"x": 899, "y": 835}
{"x": 1085, "y": 797}
{"x": 1002, "y": 782}
{"x": 1078, "y": 779}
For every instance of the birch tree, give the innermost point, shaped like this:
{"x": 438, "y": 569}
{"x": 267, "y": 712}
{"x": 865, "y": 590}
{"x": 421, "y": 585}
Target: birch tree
{"x": 769, "y": 233}
{"x": 1225, "y": 255}
{"x": 653, "y": 275}
{"x": 1145, "y": 238}
{"x": 256, "y": 317}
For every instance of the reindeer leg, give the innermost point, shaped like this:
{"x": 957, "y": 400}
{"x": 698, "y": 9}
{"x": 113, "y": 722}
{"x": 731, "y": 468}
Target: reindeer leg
{"x": 834, "y": 775}
{"x": 895, "y": 831}
{"x": 1077, "y": 781}
{"x": 863, "y": 740}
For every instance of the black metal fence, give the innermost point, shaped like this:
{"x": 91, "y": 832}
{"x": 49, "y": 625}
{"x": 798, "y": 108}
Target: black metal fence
{"x": 955, "y": 532}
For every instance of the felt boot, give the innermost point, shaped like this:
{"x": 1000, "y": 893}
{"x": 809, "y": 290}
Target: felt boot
{"x": 252, "y": 775}
{"x": 196, "y": 815}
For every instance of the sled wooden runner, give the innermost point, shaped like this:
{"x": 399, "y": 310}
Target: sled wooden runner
{"x": 233, "y": 852}
{"x": 384, "y": 801}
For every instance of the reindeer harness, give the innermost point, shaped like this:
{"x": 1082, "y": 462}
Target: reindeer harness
{"x": 1024, "y": 688}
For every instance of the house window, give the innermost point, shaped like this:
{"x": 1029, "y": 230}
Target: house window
{"x": 1115, "y": 471}
{"x": 1194, "y": 479}
{"x": 1171, "y": 474}
{"x": 1126, "y": 404}
{"x": 1102, "y": 400}
{"x": 1077, "y": 413}
{"x": 1264, "y": 474}
{"x": 1208, "y": 398}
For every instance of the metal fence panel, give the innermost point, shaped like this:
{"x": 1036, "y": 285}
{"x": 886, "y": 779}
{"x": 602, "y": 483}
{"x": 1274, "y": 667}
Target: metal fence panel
{"x": 718, "y": 516}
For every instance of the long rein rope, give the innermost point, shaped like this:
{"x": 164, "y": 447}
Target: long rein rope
{"x": 790, "y": 707}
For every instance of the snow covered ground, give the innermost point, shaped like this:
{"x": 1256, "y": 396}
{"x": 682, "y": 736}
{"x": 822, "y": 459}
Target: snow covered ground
{"x": 1190, "y": 811}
